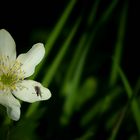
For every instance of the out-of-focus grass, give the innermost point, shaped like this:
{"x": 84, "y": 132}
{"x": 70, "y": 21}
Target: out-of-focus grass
{"x": 134, "y": 104}
{"x": 131, "y": 102}
{"x": 51, "y": 40}
{"x": 84, "y": 104}
{"x": 73, "y": 76}
{"x": 119, "y": 46}
{"x": 60, "y": 56}
{"x": 54, "y": 66}
{"x": 117, "y": 59}
{"x": 55, "y": 33}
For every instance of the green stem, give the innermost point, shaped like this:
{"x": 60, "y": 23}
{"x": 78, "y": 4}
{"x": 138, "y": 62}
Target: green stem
{"x": 131, "y": 102}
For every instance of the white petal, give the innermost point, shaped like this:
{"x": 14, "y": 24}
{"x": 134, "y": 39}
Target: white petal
{"x": 32, "y": 58}
{"x": 12, "y": 105}
{"x": 14, "y": 113}
{"x": 32, "y": 91}
{"x": 7, "y": 45}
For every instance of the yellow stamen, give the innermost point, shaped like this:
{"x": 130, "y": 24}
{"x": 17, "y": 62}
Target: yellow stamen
{"x": 10, "y": 73}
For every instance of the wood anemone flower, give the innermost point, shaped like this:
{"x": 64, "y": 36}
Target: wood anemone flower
{"x": 14, "y": 70}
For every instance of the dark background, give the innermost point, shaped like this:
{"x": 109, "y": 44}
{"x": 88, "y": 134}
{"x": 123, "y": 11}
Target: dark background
{"x": 23, "y": 19}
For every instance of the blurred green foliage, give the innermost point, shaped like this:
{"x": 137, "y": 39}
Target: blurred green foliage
{"x": 92, "y": 97}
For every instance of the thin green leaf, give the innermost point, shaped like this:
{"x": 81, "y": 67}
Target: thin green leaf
{"x": 118, "y": 47}
{"x": 55, "y": 33}
{"x": 80, "y": 45}
{"x": 71, "y": 85}
{"x": 53, "y": 68}
{"x": 86, "y": 92}
{"x": 70, "y": 98}
{"x": 100, "y": 107}
{"x": 126, "y": 108}
{"x": 134, "y": 104}
{"x": 106, "y": 15}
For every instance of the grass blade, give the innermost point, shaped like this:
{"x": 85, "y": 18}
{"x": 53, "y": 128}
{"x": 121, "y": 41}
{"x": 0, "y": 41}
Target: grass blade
{"x": 134, "y": 104}
{"x": 132, "y": 101}
{"x": 119, "y": 47}
{"x": 51, "y": 72}
{"x": 54, "y": 34}
{"x": 53, "y": 68}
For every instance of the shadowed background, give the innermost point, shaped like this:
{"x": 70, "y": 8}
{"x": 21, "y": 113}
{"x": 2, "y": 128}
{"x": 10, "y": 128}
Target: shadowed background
{"x": 89, "y": 67}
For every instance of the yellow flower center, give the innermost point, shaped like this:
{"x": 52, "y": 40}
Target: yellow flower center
{"x": 6, "y": 79}
{"x": 10, "y": 73}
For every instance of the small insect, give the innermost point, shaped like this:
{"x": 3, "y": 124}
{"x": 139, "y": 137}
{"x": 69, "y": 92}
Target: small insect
{"x": 38, "y": 91}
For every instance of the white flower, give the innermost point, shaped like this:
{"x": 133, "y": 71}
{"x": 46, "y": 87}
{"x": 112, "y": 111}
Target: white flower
{"x": 12, "y": 73}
